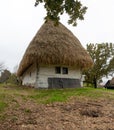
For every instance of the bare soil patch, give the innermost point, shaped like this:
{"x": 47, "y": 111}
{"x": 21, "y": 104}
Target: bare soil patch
{"x": 76, "y": 114}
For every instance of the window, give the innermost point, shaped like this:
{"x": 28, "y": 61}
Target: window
{"x": 65, "y": 70}
{"x": 58, "y": 70}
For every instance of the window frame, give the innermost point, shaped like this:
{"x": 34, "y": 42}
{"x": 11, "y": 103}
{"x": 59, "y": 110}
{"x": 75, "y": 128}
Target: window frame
{"x": 61, "y": 70}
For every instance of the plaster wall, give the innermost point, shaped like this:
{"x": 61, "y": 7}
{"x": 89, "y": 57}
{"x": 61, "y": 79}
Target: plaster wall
{"x": 29, "y": 77}
{"x": 49, "y": 72}
{"x": 45, "y": 72}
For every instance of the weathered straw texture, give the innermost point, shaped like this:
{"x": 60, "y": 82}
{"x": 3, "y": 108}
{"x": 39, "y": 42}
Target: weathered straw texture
{"x": 55, "y": 45}
{"x": 112, "y": 81}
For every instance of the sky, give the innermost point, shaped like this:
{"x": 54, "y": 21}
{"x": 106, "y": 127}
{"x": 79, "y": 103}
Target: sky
{"x": 20, "y": 20}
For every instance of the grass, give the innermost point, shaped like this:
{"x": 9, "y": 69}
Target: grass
{"x": 3, "y": 105}
{"x": 62, "y": 95}
{"x": 9, "y": 93}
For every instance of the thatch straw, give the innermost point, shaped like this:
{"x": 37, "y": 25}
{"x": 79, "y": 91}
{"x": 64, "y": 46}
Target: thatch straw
{"x": 55, "y": 45}
{"x": 112, "y": 81}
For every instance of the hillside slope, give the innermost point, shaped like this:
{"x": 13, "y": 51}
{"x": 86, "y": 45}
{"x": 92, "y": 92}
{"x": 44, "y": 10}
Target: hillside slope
{"x": 69, "y": 109}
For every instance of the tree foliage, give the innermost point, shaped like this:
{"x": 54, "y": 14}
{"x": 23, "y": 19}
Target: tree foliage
{"x": 103, "y": 58}
{"x": 13, "y": 79}
{"x": 5, "y": 76}
{"x": 55, "y": 8}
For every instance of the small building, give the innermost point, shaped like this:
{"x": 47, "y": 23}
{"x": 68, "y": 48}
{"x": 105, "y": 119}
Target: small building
{"x": 54, "y": 58}
{"x": 110, "y": 84}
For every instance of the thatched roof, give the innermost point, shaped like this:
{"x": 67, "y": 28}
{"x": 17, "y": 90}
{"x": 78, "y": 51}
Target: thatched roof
{"x": 55, "y": 45}
{"x": 112, "y": 81}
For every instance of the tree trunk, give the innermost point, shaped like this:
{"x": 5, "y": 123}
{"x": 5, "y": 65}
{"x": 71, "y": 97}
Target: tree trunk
{"x": 95, "y": 82}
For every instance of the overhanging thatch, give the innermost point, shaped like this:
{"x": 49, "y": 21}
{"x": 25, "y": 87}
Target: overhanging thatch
{"x": 55, "y": 45}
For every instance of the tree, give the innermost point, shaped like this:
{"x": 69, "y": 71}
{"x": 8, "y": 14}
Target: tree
{"x": 55, "y": 8}
{"x": 13, "y": 79}
{"x": 5, "y": 76}
{"x": 103, "y": 58}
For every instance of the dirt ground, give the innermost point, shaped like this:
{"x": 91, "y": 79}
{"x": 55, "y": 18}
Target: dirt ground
{"x": 76, "y": 114}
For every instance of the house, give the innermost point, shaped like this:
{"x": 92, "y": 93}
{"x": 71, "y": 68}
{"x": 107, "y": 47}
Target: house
{"x": 54, "y": 58}
{"x": 110, "y": 84}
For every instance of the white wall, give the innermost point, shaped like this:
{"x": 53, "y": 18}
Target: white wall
{"x": 46, "y": 72}
{"x": 49, "y": 72}
{"x": 29, "y": 79}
